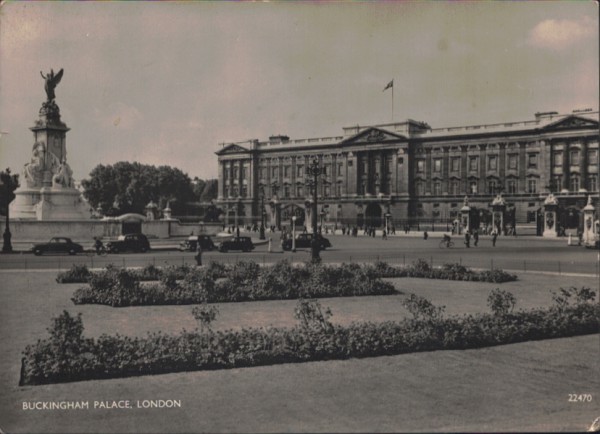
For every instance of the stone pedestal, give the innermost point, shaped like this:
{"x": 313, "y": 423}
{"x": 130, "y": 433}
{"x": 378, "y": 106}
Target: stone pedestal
{"x": 465, "y": 213}
{"x": 550, "y": 212}
{"x": 589, "y": 228}
{"x": 498, "y": 210}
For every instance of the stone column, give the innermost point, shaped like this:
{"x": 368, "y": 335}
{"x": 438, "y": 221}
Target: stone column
{"x": 428, "y": 170}
{"x": 583, "y": 166}
{"x": 464, "y": 169}
{"x": 482, "y": 189}
{"x": 565, "y": 167}
{"x": 502, "y": 163}
{"x": 445, "y": 169}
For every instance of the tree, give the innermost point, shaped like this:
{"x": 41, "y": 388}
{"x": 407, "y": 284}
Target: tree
{"x": 199, "y": 185}
{"x": 8, "y": 184}
{"x": 210, "y": 191}
{"x": 128, "y": 187}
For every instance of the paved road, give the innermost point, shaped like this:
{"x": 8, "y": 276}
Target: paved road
{"x": 522, "y": 254}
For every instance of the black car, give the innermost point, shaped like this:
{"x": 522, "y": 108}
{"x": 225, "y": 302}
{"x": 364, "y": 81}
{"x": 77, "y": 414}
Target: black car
{"x": 58, "y": 245}
{"x": 129, "y": 243}
{"x": 305, "y": 240}
{"x": 191, "y": 244}
{"x": 237, "y": 243}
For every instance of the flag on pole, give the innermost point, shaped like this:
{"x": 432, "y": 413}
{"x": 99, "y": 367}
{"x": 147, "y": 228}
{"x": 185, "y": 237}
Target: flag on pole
{"x": 390, "y": 84}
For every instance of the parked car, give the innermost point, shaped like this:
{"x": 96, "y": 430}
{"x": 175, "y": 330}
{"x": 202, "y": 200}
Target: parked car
{"x": 129, "y": 243}
{"x": 237, "y": 243}
{"x": 305, "y": 240}
{"x": 191, "y": 244}
{"x": 58, "y": 245}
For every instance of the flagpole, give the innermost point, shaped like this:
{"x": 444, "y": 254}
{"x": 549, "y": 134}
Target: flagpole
{"x": 392, "y": 102}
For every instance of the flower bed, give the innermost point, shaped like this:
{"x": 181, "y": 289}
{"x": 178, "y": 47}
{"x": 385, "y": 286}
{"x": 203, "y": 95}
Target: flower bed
{"x": 422, "y": 269}
{"x": 67, "y": 356}
{"x": 245, "y": 281}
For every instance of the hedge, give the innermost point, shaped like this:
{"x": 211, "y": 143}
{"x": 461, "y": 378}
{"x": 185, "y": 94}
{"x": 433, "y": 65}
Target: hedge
{"x": 67, "y": 356}
{"x": 245, "y": 281}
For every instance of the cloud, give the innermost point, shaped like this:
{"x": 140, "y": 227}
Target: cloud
{"x": 561, "y": 34}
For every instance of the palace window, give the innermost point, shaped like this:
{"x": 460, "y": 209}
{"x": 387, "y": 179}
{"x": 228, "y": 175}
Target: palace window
{"x": 492, "y": 162}
{"x": 511, "y": 186}
{"x": 244, "y": 171}
{"x": 262, "y": 172}
{"x": 574, "y": 157}
{"x": 455, "y": 164}
{"x": 420, "y": 166}
{"x": 556, "y": 183}
{"x": 473, "y": 187}
{"x": 225, "y": 192}
{"x": 235, "y": 172}
{"x": 300, "y": 171}
{"x": 338, "y": 188}
{"x": 437, "y": 188}
{"x": 532, "y": 161}
{"x": 593, "y": 183}
{"x": 388, "y": 165}
{"x": 492, "y": 186}
{"x": 455, "y": 187}
{"x": 574, "y": 183}
{"x": 437, "y": 165}
{"x": 362, "y": 189}
{"x": 243, "y": 191}
{"x": 513, "y": 161}
{"x": 592, "y": 156}
{"x": 340, "y": 169}
{"x": 532, "y": 186}
{"x": 327, "y": 170}
{"x": 286, "y": 190}
{"x": 558, "y": 159}
{"x": 326, "y": 191}
{"x": 473, "y": 164}
{"x": 275, "y": 172}
{"x": 234, "y": 191}
{"x": 299, "y": 191}
{"x": 286, "y": 171}
{"x": 419, "y": 188}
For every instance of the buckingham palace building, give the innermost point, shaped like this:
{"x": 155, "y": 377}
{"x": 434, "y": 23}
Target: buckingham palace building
{"x": 408, "y": 173}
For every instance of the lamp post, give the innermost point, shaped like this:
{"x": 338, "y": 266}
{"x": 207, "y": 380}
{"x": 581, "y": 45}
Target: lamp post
{"x": 322, "y": 218}
{"x": 262, "y": 213}
{"x": 314, "y": 170}
{"x": 10, "y": 183}
{"x": 294, "y": 233}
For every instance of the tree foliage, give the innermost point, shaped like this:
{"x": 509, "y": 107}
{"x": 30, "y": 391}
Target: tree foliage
{"x": 128, "y": 187}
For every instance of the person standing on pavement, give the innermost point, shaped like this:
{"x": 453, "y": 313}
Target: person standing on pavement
{"x": 494, "y": 237}
{"x": 475, "y": 237}
{"x": 467, "y": 238}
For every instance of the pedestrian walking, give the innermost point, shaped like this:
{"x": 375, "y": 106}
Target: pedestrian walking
{"x": 475, "y": 237}
{"x": 384, "y": 235}
{"x": 494, "y": 237}
{"x": 425, "y": 235}
{"x": 198, "y": 256}
{"x": 467, "y": 239}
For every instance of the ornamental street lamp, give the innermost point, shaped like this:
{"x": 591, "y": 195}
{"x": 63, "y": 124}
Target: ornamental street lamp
{"x": 262, "y": 213}
{"x": 10, "y": 183}
{"x": 294, "y": 233}
{"x": 314, "y": 170}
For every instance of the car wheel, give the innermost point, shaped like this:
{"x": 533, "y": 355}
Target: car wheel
{"x": 37, "y": 252}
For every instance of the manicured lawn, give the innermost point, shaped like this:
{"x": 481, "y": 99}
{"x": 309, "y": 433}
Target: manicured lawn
{"x": 514, "y": 387}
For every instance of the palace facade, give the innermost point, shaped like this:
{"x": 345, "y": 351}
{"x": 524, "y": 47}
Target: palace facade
{"x": 408, "y": 173}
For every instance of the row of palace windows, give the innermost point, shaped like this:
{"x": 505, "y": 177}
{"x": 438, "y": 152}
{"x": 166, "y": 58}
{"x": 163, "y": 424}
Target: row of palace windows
{"x": 236, "y": 172}
{"x": 574, "y": 157}
{"x": 512, "y": 163}
{"x": 300, "y": 172}
{"x": 287, "y": 191}
{"x": 511, "y": 186}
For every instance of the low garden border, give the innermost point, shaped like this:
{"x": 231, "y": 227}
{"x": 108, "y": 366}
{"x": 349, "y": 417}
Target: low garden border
{"x": 67, "y": 356}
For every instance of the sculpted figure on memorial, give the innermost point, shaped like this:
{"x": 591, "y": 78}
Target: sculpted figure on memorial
{"x": 33, "y": 171}
{"x": 51, "y": 80}
{"x": 64, "y": 176}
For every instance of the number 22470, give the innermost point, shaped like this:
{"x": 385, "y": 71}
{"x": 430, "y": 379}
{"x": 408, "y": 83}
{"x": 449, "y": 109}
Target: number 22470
{"x": 581, "y": 397}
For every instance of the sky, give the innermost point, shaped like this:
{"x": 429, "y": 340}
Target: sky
{"x": 166, "y": 83}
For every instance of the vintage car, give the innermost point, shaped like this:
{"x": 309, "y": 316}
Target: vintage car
{"x": 305, "y": 240}
{"x": 191, "y": 243}
{"x": 236, "y": 243}
{"x": 57, "y": 245}
{"x": 129, "y": 243}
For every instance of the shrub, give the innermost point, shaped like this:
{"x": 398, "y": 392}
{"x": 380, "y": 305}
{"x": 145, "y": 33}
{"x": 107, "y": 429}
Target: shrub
{"x": 422, "y": 309}
{"x": 501, "y": 302}
{"x": 205, "y": 315}
{"x": 76, "y": 274}
{"x": 67, "y": 356}
{"x": 562, "y": 299}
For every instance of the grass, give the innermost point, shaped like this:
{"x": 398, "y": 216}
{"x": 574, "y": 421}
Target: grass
{"x": 514, "y": 387}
